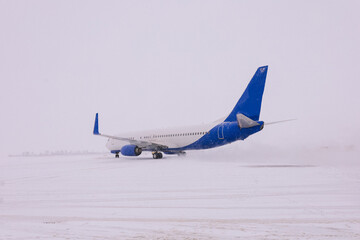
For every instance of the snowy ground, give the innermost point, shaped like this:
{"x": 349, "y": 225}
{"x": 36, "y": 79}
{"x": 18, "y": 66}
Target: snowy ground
{"x": 215, "y": 194}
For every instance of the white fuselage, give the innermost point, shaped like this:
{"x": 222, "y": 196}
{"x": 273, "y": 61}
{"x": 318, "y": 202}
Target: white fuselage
{"x": 171, "y": 137}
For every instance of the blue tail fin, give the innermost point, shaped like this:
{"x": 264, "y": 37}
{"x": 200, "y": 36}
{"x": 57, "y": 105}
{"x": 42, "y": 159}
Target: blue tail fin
{"x": 250, "y": 102}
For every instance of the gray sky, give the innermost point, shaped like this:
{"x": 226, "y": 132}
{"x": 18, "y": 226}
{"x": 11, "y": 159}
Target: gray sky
{"x": 155, "y": 64}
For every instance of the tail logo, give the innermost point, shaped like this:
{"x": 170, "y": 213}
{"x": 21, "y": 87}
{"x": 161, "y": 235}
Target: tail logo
{"x": 262, "y": 70}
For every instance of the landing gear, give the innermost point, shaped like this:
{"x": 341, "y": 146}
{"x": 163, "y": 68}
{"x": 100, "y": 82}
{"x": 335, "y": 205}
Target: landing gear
{"x": 117, "y": 155}
{"x": 157, "y": 155}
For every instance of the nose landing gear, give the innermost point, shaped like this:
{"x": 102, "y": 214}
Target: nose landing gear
{"x": 157, "y": 155}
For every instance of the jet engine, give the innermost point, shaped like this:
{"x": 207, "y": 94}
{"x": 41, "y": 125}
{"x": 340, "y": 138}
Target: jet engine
{"x": 131, "y": 150}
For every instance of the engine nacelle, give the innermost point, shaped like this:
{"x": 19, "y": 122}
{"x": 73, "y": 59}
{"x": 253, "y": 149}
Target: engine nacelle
{"x": 131, "y": 150}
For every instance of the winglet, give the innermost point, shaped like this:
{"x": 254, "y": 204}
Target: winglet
{"x": 96, "y": 125}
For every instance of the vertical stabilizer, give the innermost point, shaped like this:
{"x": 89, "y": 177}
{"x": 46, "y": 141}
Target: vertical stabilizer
{"x": 250, "y": 102}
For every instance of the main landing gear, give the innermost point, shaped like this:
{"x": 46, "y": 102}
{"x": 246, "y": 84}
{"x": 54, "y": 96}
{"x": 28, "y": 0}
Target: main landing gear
{"x": 117, "y": 155}
{"x": 157, "y": 155}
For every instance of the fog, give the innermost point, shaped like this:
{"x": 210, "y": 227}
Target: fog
{"x": 156, "y": 64}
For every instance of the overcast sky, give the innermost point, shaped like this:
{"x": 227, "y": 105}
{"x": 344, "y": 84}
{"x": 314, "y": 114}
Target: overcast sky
{"x": 155, "y": 64}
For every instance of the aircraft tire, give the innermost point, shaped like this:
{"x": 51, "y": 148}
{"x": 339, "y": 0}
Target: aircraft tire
{"x": 157, "y": 155}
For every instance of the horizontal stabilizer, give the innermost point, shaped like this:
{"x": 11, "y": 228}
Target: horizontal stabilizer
{"x": 245, "y": 122}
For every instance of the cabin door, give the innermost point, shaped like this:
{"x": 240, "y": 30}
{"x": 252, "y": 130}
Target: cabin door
{"x": 221, "y": 132}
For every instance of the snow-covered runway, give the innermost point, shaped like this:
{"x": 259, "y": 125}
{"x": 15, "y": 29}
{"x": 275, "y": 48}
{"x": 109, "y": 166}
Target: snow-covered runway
{"x": 214, "y": 194}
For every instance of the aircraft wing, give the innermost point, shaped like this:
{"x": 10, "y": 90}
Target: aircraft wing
{"x": 146, "y": 145}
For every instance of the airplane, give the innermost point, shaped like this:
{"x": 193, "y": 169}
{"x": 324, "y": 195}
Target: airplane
{"x": 242, "y": 122}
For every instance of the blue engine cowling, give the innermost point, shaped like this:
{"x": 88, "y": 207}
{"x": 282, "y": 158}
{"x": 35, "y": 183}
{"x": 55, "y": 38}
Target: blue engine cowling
{"x": 131, "y": 150}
